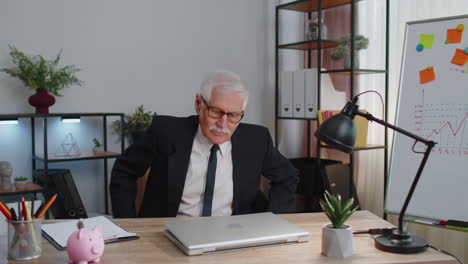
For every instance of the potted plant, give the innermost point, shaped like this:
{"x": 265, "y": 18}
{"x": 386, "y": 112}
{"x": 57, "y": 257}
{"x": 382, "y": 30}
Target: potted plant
{"x": 135, "y": 124}
{"x": 344, "y": 49}
{"x": 42, "y": 75}
{"x": 337, "y": 238}
{"x": 20, "y": 182}
{"x": 98, "y": 148}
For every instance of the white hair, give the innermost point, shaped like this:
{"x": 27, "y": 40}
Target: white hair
{"x": 224, "y": 82}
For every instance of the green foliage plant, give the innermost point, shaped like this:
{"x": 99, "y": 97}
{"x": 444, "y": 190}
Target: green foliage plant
{"x": 21, "y": 178}
{"x": 37, "y": 72}
{"x": 336, "y": 211}
{"x": 138, "y": 121}
{"x": 97, "y": 143}
{"x": 344, "y": 48}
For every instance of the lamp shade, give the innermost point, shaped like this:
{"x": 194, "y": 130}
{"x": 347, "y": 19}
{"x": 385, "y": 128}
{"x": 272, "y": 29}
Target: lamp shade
{"x": 339, "y": 132}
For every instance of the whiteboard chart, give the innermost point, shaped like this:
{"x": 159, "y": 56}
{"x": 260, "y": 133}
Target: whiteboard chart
{"x": 432, "y": 103}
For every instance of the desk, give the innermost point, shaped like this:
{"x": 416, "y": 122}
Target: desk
{"x": 154, "y": 247}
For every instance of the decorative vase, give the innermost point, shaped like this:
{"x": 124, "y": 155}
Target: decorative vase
{"x": 98, "y": 150}
{"x": 347, "y": 62}
{"x": 21, "y": 184}
{"x": 5, "y": 175}
{"x": 337, "y": 242}
{"x": 41, "y": 100}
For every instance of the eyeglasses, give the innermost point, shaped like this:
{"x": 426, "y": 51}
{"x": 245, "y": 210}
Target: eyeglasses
{"x": 217, "y": 113}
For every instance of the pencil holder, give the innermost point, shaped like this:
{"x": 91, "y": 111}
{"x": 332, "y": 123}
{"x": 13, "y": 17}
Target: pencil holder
{"x": 24, "y": 239}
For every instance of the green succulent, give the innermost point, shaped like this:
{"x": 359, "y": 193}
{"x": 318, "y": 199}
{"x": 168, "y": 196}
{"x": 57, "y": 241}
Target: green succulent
{"x": 37, "y": 72}
{"x": 21, "y": 178}
{"x": 96, "y": 143}
{"x": 336, "y": 211}
{"x": 138, "y": 121}
{"x": 344, "y": 48}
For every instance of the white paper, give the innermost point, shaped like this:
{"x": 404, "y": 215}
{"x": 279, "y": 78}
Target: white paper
{"x": 61, "y": 231}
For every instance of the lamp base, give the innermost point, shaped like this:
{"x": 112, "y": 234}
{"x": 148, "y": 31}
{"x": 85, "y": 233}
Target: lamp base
{"x": 401, "y": 243}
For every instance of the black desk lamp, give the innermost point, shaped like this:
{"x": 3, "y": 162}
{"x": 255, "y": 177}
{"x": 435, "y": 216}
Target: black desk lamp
{"x": 339, "y": 132}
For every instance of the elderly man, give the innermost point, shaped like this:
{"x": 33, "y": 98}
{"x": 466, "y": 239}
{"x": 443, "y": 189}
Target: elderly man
{"x": 206, "y": 164}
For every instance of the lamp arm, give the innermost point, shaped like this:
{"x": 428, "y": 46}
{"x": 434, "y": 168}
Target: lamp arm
{"x": 429, "y": 143}
{"x": 385, "y": 124}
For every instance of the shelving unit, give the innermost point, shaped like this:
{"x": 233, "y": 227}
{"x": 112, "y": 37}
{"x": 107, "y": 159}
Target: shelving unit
{"x": 45, "y": 157}
{"x": 313, "y": 50}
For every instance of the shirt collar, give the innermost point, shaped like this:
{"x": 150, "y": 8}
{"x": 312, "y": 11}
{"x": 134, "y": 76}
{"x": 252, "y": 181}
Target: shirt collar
{"x": 207, "y": 144}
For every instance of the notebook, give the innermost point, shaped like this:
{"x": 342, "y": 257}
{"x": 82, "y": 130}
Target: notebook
{"x": 226, "y": 233}
{"x": 58, "y": 233}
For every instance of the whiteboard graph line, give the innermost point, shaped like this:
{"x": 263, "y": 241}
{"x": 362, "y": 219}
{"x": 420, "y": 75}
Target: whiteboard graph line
{"x": 454, "y": 132}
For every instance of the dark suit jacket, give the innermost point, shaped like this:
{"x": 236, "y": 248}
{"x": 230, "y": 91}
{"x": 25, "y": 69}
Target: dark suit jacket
{"x": 166, "y": 147}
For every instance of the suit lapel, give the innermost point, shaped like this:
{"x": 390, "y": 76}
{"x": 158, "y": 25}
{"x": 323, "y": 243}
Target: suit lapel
{"x": 178, "y": 163}
{"x": 236, "y": 172}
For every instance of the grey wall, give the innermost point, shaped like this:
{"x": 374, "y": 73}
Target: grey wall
{"x": 132, "y": 52}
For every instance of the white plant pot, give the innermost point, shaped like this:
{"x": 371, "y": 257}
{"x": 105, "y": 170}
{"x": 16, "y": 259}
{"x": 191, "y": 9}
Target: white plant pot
{"x": 21, "y": 184}
{"x": 337, "y": 242}
{"x": 98, "y": 150}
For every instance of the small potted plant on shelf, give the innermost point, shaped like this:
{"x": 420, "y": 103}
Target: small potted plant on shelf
{"x": 344, "y": 49}
{"x": 337, "y": 238}
{"x": 135, "y": 124}
{"x": 98, "y": 148}
{"x": 20, "y": 182}
{"x": 42, "y": 75}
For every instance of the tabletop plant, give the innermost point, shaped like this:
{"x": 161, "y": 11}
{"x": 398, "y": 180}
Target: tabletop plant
{"x": 134, "y": 123}
{"x": 97, "y": 143}
{"x": 21, "y": 178}
{"x": 344, "y": 47}
{"x": 337, "y": 211}
{"x": 36, "y": 72}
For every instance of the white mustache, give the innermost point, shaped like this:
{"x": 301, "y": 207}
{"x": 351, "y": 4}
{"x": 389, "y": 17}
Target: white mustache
{"x": 220, "y": 130}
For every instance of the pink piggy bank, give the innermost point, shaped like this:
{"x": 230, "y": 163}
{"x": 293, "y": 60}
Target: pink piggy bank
{"x": 85, "y": 245}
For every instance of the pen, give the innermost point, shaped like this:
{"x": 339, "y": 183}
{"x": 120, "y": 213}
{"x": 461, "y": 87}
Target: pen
{"x": 46, "y": 207}
{"x": 38, "y": 210}
{"x": 13, "y": 214}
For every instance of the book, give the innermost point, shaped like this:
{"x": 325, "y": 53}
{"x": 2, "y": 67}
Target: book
{"x": 57, "y": 233}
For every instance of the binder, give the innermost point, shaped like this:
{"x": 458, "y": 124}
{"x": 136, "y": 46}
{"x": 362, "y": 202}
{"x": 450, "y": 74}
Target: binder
{"x": 299, "y": 93}
{"x": 68, "y": 204}
{"x": 285, "y": 94}
{"x": 311, "y": 93}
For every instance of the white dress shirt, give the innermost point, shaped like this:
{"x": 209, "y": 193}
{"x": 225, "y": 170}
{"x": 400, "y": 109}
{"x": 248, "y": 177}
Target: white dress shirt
{"x": 191, "y": 203}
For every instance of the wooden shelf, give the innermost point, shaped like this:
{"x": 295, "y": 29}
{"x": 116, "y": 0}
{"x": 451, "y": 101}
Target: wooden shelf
{"x": 297, "y": 118}
{"x": 367, "y": 147}
{"x": 82, "y": 156}
{"x": 355, "y": 71}
{"x": 309, "y": 45}
{"x": 312, "y": 5}
{"x": 30, "y": 188}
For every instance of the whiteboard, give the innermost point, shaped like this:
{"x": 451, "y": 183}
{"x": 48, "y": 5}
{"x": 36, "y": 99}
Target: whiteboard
{"x": 432, "y": 103}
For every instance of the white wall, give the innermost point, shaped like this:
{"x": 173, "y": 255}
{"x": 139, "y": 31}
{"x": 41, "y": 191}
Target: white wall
{"x": 132, "y": 52}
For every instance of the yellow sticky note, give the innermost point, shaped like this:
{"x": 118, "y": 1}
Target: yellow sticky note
{"x": 426, "y": 40}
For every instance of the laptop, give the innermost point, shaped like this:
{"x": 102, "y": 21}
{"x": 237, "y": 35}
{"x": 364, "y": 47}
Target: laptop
{"x": 225, "y": 233}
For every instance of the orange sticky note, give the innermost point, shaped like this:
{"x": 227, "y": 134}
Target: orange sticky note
{"x": 460, "y": 57}
{"x": 427, "y": 75}
{"x": 454, "y": 35}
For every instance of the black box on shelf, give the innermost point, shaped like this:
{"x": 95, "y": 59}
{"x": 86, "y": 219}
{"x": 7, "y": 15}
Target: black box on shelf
{"x": 68, "y": 204}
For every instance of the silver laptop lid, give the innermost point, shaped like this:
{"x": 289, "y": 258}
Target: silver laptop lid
{"x": 196, "y": 236}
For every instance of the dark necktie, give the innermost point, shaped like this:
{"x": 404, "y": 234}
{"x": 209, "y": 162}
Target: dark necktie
{"x": 210, "y": 182}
